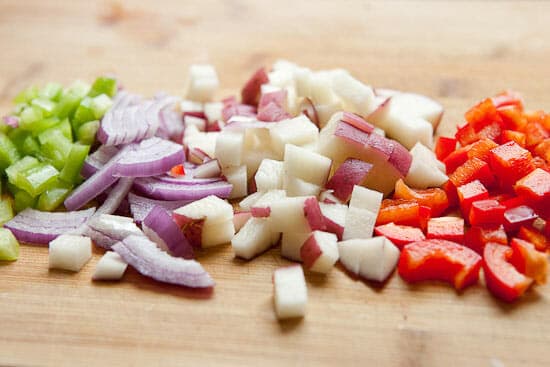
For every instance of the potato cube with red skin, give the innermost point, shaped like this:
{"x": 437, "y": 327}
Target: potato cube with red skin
{"x": 320, "y": 252}
{"x": 350, "y": 173}
{"x": 527, "y": 260}
{"x": 250, "y": 93}
{"x": 510, "y": 162}
{"x": 537, "y": 238}
{"x": 446, "y": 228}
{"x": 439, "y": 260}
{"x": 487, "y": 211}
{"x": 535, "y": 188}
{"x": 444, "y": 146}
{"x": 501, "y": 277}
{"x": 473, "y": 169}
{"x": 514, "y": 218}
{"x": 477, "y": 237}
{"x": 400, "y": 235}
{"x": 357, "y": 122}
{"x": 435, "y": 198}
{"x": 469, "y": 193}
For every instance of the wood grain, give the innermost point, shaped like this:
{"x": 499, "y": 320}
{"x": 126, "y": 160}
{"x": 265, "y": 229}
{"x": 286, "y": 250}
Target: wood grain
{"x": 457, "y": 52}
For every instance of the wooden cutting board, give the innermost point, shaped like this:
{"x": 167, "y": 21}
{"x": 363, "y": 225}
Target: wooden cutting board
{"x": 455, "y": 52}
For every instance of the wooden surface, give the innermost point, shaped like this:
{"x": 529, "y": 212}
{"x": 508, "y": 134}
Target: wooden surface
{"x": 453, "y": 51}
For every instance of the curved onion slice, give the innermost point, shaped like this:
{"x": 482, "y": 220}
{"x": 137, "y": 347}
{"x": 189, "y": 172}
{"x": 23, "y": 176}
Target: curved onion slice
{"x": 151, "y": 157}
{"x": 115, "y": 197}
{"x": 158, "y": 189}
{"x": 159, "y": 226}
{"x": 141, "y": 206}
{"x": 97, "y": 159}
{"x": 12, "y": 121}
{"x": 149, "y": 260}
{"x": 170, "y": 125}
{"x": 34, "y": 226}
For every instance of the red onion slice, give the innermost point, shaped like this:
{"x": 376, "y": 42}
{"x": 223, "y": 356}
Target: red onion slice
{"x": 149, "y": 260}
{"x": 157, "y": 189}
{"x": 117, "y": 194}
{"x": 159, "y": 226}
{"x": 12, "y": 121}
{"x": 97, "y": 159}
{"x": 34, "y": 226}
{"x": 141, "y": 206}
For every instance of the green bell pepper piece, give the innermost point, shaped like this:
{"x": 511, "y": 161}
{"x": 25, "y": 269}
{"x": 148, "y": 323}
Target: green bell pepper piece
{"x": 51, "y": 91}
{"x": 37, "y": 179}
{"x": 87, "y": 132}
{"x": 22, "y": 200}
{"x": 6, "y": 209}
{"x": 47, "y": 106}
{"x": 14, "y": 171}
{"x": 103, "y": 85}
{"x": 8, "y": 152}
{"x": 100, "y": 105}
{"x": 9, "y": 247}
{"x": 26, "y": 95}
{"x": 53, "y": 197}
{"x": 71, "y": 171}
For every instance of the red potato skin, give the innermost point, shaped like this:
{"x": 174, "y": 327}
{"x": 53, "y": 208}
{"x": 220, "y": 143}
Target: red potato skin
{"x": 333, "y": 227}
{"x": 259, "y": 212}
{"x": 250, "y": 94}
{"x": 358, "y": 122}
{"x": 308, "y": 108}
{"x": 191, "y": 228}
{"x": 351, "y": 134}
{"x": 310, "y": 252}
{"x": 313, "y": 214}
{"x": 439, "y": 260}
{"x": 350, "y": 173}
{"x": 502, "y": 279}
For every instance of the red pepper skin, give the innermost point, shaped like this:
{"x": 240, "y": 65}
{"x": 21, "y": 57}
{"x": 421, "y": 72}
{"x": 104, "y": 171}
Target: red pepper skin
{"x": 510, "y": 162}
{"x": 473, "y": 169}
{"x": 469, "y": 193}
{"x": 480, "y": 149}
{"x": 508, "y": 98}
{"x": 501, "y": 277}
{"x": 512, "y": 135}
{"x": 446, "y": 228}
{"x": 485, "y": 212}
{"x": 465, "y": 135}
{"x": 452, "y": 196}
{"x": 406, "y": 212}
{"x": 444, "y": 146}
{"x": 482, "y": 114}
{"x": 528, "y": 261}
{"x": 519, "y": 216}
{"x": 435, "y": 198}
{"x": 543, "y": 149}
{"x": 535, "y": 237}
{"x": 439, "y": 260}
{"x": 455, "y": 159}
{"x": 535, "y": 188}
{"x": 477, "y": 237}
{"x": 535, "y": 134}
{"x": 400, "y": 235}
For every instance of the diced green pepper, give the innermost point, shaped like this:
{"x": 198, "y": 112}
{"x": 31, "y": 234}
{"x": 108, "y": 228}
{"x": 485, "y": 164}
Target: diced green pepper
{"x": 71, "y": 171}
{"x": 100, "y": 105}
{"x": 30, "y": 146}
{"x": 6, "y": 209}
{"x": 67, "y": 105}
{"x": 8, "y": 152}
{"x": 51, "y": 91}
{"x": 103, "y": 85}
{"x": 9, "y": 247}
{"x": 50, "y": 199}
{"x": 64, "y": 127}
{"x": 79, "y": 88}
{"x": 36, "y": 127}
{"x": 83, "y": 113}
{"x": 30, "y": 115}
{"x": 14, "y": 171}
{"x": 26, "y": 95}
{"x": 47, "y": 106}
{"x": 37, "y": 179}
{"x": 22, "y": 201}
{"x": 18, "y": 136}
{"x": 55, "y": 146}
{"x": 87, "y": 132}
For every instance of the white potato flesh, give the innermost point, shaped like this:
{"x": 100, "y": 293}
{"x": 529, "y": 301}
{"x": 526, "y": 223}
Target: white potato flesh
{"x": 229, "y": 148}
{"x": 217, "y": 234}
{"x": 364, "y": 198}
{"x": 335, "y": 212}
{"x": 290, "y": 292}
{"x": 213, "y": 111}
{"x": 202, "y": 83}
{"x": 324, "y": 243}
{"x": 269, "y": 175}
{"x": 425, "y": 154}
{"x": 291, "y": 243}
{"x": 253, "y": 238}
{"x": 297, "y": 187}
{"x": 237, "y": 176}
{"x": 359, "y": 223}
{"x": 298, "y": 131}
{"x": 211, "y": 208}
{"x": 422, "y": 175}
{"x": 69, "y": 252}
{"x": 287, "y": 215}
{"x": 110, "y": 267}
{"x": 306, "y": 165}
{"x": 357, "y": 97}
{"x": 250, "y": 200}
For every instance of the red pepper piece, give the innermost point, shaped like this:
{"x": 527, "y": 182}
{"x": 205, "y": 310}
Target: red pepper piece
{"x": 528, "y": 261}
{"x": 492, "y": 131}
{"x": 466, "y": 134}
{"x": 510, "y": 162}
{"x": 511, "y": 135}
{"x": 473, "y": 169}
{"x": 512, "y": 118}
{"x": 477, "y": 237}
{"x": 406, "y": 212}
{"x": 434, "y": 198}
{"x": 513, "y": 202}
{"x": 508, "y": 98}
{"x": 480, "y": 149}
{"x": 446, "y": 228}
{"x": 456, "y": 159}
{"x": 519, "y": 216}
{"x": 452, "y": 196}
{"x": 439, "y": 260}
{"x": 542, "y": 149}
{"x": 485, "y": 212}
{"x": 444, "y": 146}
{"x": 539, "y": 162}
{"x": 535, "y": 237}
{"x": 482, "y": 114}
{"x": 501, "y": 277}
{"x": 469, "y": 193}
{"x": 400, "y": 235}
{"x": 535, "y": 188}
{"x": 177, "y": 170}
{"x": 535, "y": 134}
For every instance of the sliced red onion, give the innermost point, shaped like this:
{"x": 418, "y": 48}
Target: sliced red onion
{"x": 158, "y": 189}
{"x": 159, "y": 226}
{"x": 150, "y": 157}
{"x": 188, "y": 179}
{"x": 198, "y": 156}
{"x": 117, "y": 194}
{"x": 95, "y": 185}
{"x": 97, "y": 159}
{"x": 114, "y": 226}
{"x": 208, "y": 169}
{"x": 170, "y": 125}
{"x": 141, "y": 206}
{"x": 34, "y": 226}
{"x": 12, "y": 121}
{"x": 100, "y": 239}
{"x": 149, "y": 260}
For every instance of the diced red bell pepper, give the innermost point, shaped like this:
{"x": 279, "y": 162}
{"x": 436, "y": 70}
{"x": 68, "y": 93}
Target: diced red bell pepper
{"x": 446, "y": 228}
{"x": 535, "y": 188}
{"x": 501, "y": 277}
{"x": 452, "y": 196}
{"x": 485, "y": 212}
{"x": 512, "y": 118}
{"x": 512, "y": 135}
{"x": 510, "y": 162}
{"x": 482, "y": 114}
{"x": 444, "y": 146}
{"x": 508, "y": 98}
{"x": 473, "y": 169}
{"x": 477, "y": 237}
{"x": 491, "y": 131}
{"x": 466, "y": 134}
{"x": 439, "y": 260}
{"x": 535, "y": 116}
{"x": 480, "y": 149}
{"x": 528, "y": 261}
{"x": 542, "y": 149}
{"x": 513, "y": 202}
{"x": 535, "y": 237}
{"x": 456, "y": 159}
{"x": 535, "y": 133}
{"x": 469, "y": 193}
{"x": 539, "y": 162}
{"x": 400, "y": 235}
{"x": 519, "y": 216}
{"x": 435, "y": 198}
{"x": 177, "y": 170}
{"x": 406, "y": 212}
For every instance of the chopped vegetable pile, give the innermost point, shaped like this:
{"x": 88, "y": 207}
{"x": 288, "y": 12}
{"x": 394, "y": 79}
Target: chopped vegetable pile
{"x": 316, "y": 163}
